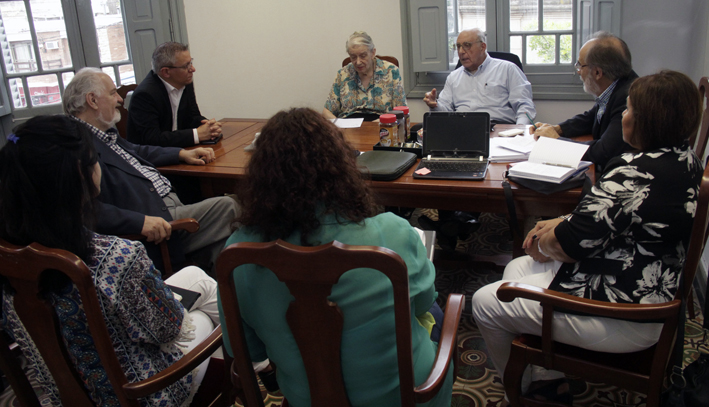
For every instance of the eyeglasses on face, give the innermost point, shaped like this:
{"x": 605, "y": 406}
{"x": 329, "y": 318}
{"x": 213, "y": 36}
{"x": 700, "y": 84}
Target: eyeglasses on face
{"x": 186, "y": 66}
{"x": 578, "y": 66}
{"x": 466, "y": 45}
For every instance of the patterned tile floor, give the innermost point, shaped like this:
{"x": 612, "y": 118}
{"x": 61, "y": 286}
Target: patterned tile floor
{"x": 477, "y": 382}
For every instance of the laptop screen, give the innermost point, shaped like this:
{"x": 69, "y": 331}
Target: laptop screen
{"x": 456, "y": 133}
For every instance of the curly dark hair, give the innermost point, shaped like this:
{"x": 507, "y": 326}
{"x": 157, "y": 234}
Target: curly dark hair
{"x": 302, "y": 168}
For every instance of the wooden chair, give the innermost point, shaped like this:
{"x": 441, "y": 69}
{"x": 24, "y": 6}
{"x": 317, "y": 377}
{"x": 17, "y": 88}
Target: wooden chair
{"x": 320, "y": 348}
{"x": 123, "y": 123}
{"x": 642, "y": 371}
{"x": 699, "y": 143}
{"x": 392, "y": 60}
{"x": 188, "y": 224}
{"x": 24, "y": 268}
{"x": 11, "y": 366}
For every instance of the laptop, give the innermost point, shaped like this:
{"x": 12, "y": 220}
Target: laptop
{"x": 456, "y": 145}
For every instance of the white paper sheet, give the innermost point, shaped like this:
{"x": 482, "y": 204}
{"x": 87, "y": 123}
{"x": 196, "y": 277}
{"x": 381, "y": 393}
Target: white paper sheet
{"x": 348, "y": 123}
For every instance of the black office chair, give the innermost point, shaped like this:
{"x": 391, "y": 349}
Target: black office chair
{"x": 507, "y": 56}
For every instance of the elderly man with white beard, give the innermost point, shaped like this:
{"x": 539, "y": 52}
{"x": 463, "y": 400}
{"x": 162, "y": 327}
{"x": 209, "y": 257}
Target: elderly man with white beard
{"x": 605, "y": 67}
{"x": 135, "y": 198}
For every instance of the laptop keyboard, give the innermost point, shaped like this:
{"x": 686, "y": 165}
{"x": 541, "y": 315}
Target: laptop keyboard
{"x": 454, "y": 166}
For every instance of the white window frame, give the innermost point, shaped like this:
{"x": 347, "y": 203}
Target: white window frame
{"x": 425, "y": 65}
{"x": 147, "y": 23}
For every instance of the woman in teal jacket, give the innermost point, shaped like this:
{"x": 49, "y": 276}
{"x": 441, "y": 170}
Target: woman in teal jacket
{"x": 303, "y": 186}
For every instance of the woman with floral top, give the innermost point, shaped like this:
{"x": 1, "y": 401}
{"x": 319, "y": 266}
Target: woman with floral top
{"x": 48, "y": 177}
{"x": 367, "y": 84}
{"x": 624, "y": 243}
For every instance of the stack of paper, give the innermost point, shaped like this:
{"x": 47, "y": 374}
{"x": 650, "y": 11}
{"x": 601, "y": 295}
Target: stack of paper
{"x": 552, "y": 160}
{"x": 348, "y": 123}
{"x": 503, "y": 150}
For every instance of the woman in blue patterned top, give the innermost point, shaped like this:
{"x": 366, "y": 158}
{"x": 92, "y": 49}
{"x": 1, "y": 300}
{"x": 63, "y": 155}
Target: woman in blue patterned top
{"x": 625, "y": 242}
{"x": 367, "y": 84}
{"x": 49, "y": 176}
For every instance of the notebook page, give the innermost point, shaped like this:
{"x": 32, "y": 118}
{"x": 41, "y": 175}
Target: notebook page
{"x": 557, "y": 152}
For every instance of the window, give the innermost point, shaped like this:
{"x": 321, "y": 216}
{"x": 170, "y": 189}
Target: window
{"x": 545, "y": 34}
{"x": 47, "y": 41}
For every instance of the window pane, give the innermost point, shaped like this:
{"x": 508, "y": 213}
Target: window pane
{"x": 109, "y": 30}
{"x": 524, "y": 15}
{"x": 18, "y": 93}
{"x": 50, "y": 27}
{"x": 557, "y": 14}
{"x": 541, "y": 49}
{"x": 516, "y": 46}
{"x": 471, "y": 14}
{"x": 127, "y": 74}
{"x": 17, "y": 38}
{"x": 66, "y": 77}
{"x": 44, "y": 89}
{"x": 450, "y": 10}
{"x": 108, "y": 70}
{"x": 565, "y": 44}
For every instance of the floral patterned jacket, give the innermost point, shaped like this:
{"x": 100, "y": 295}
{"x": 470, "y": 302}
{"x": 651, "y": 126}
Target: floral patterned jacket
{"x": 631, "y": 232}
{"x": 385, "y": 90}
{"x": 143, "y": 319}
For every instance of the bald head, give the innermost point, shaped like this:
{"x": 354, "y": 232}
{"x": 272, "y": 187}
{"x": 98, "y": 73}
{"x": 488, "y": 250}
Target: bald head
{"x": 478, "y": 34}
{"x": 472, "y": 48}
{"x": 609, "y": 53}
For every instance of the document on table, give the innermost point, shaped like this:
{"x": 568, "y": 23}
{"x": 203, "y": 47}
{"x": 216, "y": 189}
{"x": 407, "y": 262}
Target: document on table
{"x": 348, "y": 123}
{"x": 505, "y": 150}
{"x": 552, "y": 160}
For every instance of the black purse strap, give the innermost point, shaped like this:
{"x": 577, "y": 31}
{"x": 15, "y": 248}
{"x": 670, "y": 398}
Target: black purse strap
{"x": 511, "y": 211}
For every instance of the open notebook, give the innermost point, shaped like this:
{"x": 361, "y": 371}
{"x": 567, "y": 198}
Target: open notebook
{"x": 552, "y": 160}
{"x": 456, "y": 145}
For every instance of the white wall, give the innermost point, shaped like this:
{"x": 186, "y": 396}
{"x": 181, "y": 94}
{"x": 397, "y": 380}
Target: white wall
{"x": 254, "y": 58}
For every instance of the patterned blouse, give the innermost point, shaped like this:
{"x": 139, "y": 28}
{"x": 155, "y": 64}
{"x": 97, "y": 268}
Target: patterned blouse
{"x": 631, "y": 232}
{"x": 143, "y": 319}
{"x": 385, "y": 90}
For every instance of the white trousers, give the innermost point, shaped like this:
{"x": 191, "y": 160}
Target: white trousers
{"x": 500, "y": 322}
{"x": 204, "y": 312}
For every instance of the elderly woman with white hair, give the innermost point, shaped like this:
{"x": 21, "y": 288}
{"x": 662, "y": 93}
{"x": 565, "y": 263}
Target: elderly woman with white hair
{"x": 365, "y": 85}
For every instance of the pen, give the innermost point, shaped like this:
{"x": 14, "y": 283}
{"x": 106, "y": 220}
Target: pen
{"x": 530, "y": 119}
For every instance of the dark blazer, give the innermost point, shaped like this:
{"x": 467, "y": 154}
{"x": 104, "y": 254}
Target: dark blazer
{"x": 127, "y": 196}
{"x": 608, "y": 134}
{"x": 150, "y": 115}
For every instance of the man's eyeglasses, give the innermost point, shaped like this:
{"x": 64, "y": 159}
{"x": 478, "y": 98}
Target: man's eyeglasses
{"x": 186, "y": 66}
{"x": 466, "y": 45}
{"x": 578, "y": 66}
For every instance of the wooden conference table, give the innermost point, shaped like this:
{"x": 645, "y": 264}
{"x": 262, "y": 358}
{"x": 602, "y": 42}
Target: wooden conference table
{"x": 223, "y": 176}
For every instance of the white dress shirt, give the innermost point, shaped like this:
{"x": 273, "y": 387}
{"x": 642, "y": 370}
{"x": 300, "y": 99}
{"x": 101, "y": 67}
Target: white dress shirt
{"x": 175, "y": 96}
{"x": 498, "y": 87}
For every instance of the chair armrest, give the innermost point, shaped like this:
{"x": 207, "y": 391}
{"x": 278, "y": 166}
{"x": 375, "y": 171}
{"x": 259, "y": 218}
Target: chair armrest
{"x": 511, "y": 290}
{"x": 187, "y": 224}
{"x": 178, "y": 369}
{"x": 447, "y": 348}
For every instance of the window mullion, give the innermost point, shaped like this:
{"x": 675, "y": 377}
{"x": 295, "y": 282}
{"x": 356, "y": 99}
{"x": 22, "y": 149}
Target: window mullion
{"x": 33, "y": 35}
{"x": 86, "y": 33}
{"x": 73, "y": 33}
{"x": 540, "y": 16}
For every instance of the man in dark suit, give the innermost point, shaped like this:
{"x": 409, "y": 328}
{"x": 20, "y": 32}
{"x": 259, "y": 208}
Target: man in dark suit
{"x": 135, "y": 198}
{"x": 163, "y": 110}
{"x": 605, "y": 67}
